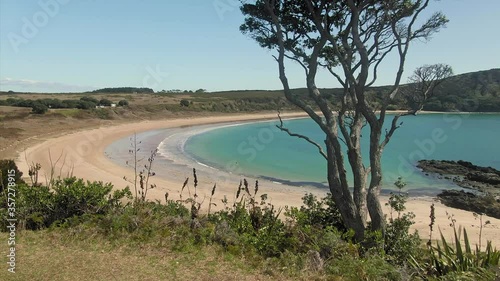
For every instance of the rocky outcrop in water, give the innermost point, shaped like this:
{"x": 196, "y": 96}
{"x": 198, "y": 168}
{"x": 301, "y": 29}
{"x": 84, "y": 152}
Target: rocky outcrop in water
{"x": 486, "y": 180}
{"x": 464, "y": 174}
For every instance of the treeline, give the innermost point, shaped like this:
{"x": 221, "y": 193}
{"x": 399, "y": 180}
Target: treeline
{"x": 469, "y": 92}
{"x": 476, "y": 91}
{"x": 127, "y": 90}
{"x": 41, "y": 106}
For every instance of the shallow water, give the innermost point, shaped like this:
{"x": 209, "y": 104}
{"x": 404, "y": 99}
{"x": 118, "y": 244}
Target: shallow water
{"x": 260, "y": 149}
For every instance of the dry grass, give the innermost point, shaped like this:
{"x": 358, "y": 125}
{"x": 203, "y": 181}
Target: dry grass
{"x": 21, "y": 129}
{"x": 51, "y": 256}
{"x": 137, "y": 99}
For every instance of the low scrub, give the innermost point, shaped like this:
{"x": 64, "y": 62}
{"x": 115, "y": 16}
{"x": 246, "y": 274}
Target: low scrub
{"x": 299, "y": 243}
{"x": 457, "y": 260}
{"x": 40, "y": 206}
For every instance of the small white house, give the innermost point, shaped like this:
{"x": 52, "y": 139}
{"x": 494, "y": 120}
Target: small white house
{"x": 113, "y": 105}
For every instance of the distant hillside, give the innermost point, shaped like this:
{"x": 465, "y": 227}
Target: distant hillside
{"x": 474, "y": 91}
{"x": 124, "y": 90}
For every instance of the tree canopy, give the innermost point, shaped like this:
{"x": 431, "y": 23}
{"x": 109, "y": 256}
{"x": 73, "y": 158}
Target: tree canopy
{"x": 348, "y": 39}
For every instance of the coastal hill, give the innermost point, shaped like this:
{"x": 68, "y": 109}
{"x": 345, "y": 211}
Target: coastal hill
{"x": 471, "y": 92}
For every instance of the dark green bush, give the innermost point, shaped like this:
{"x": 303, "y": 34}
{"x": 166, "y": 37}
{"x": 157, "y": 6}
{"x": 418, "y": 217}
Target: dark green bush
{"x": 319, "y": 213}
{"x": 123, "y": 103}
{"x": 9, "y": 167}
{"x": 39, "y": 108}
{"x": 105, "y": 102}
{"x": 90, "y": 99}
{"x": 74, "y": 197}
{"x": 39, "y": 206}
{"x": 70, "y": 103}
{"x": 85, "y": 105}
{"x": 392, "y": 107}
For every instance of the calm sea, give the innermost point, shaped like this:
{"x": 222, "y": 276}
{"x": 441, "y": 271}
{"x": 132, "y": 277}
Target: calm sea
{"x": 261, "y": 150}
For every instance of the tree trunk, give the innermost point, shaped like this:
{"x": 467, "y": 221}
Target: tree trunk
{"x": 341, "y": 194}
{"x": 357, "y": 167}
{"x": 373, "y": 202}
{"x": 375, "y": 209}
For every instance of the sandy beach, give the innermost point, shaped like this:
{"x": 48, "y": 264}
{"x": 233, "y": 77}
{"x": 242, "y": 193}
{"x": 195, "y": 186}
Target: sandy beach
{"x": 82, "y": 154}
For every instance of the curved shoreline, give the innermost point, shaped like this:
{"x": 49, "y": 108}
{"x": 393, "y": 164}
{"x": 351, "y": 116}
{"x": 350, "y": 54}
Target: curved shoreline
{"x": 82, "y": 154}
{"x": 171, "y": 149}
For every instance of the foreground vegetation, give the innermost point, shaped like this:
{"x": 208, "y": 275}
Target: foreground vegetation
{"x": 112, "y": 235}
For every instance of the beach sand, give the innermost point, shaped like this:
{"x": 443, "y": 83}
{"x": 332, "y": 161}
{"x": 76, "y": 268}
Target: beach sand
{"x": 82, "y": 154}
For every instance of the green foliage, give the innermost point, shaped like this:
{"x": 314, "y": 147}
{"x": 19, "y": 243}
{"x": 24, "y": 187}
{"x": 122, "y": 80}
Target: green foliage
{"x": 130, "y": 90}
{"x": 39, "y": 108}
{"x": 184, "y": 102}
{"x": 39, "y": 206}
{"x": 123, "y": 103}
{"x": 392, "y": 107}
{"x": 400, "y": 244}
{"x": 9, "y": 167}
{"x": 105, "y": 102}
{"x": 458, "y": 259}
{"x": 312, "y": 239}
{"x": 85, "y": 105}
{"x": 370, "y": 268}
{"x": 90, "y": 99}
{"x": 74, "y": 197}
{"x": 316, "y": 213}
{"x": 256, "y": 223}
{"x": 143, "y": 221}
{"x": 102, "y": 113}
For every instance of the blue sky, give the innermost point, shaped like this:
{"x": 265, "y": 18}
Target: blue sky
{"x": 79, "y": 45}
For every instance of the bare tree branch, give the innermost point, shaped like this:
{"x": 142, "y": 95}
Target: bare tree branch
{"x": 286, "y": 130}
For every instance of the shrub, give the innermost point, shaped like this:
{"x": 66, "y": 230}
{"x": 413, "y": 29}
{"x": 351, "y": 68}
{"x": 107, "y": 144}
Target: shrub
{"x": 39, "y": 108}
{"x": 123, "y": 103}
{"x": 102, "y": 113}
{"x": 184, "y": 103}
{"x": 320, "y": 213}
{"x": 145, "y": 220}
{"x": 9, "y": 167}
{"x": 400, "y": 244}
{"x": 70, "y": 103}
{"x": 39, "y": 206}
{"x": 74, "y": 197}
{"x": 457, "y": 261}
{"x": 90, "y": 99}
{"x": 392, "y": 107}
{"x": 105, "y": 102}
{"x": 85, "y": 105}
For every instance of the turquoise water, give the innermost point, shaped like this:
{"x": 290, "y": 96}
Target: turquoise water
{"x": 260, "y": 149}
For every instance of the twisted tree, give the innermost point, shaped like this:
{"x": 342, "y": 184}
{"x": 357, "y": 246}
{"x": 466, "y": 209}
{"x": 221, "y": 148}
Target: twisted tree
{"x": 349, "y": 39}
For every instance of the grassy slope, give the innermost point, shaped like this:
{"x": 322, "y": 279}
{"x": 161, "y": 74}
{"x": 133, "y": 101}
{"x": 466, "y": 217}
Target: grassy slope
{"x": 52, "y": 255}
